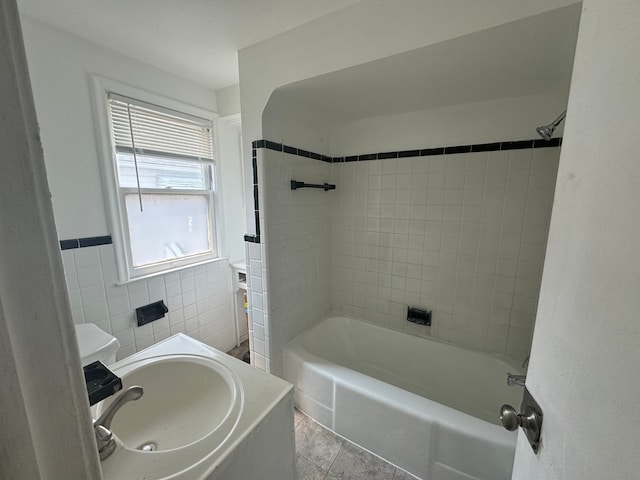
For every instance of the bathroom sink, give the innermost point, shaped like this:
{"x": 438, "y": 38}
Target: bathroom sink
{"x": 185, "y": 399}
{"x": 198, "y": 406}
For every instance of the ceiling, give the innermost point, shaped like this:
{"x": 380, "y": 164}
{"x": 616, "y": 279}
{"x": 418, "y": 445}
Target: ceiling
{"x": 195, "y": 39}
{"x": 528, "y": 57}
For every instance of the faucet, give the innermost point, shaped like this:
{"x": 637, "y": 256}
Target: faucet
{"x": 515, "y": 380}
{"x": 105, "y": 438}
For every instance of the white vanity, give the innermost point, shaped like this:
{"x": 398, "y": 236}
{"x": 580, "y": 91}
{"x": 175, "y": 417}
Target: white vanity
{"x": 203, "y": 415}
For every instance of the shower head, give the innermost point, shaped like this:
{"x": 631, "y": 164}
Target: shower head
{"x": 546, "y": 131}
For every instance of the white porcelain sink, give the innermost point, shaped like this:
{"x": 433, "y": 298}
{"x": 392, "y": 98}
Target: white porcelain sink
{"x": 198, "y": 406}
{"x": 186, "y": 398}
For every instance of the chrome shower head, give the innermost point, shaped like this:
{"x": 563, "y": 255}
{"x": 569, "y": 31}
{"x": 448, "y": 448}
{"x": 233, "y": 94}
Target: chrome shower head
{"x": 546, "y": 131}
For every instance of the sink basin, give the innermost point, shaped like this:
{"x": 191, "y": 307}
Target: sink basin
{"x": 185, "y": 399}
{"x": 199, "y": 405}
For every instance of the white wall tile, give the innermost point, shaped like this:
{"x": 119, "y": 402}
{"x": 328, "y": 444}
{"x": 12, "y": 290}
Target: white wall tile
{"x": 125, "y": 351}
{"x": 143, "y": 332}
{"x": 125, "y": 337}
{"x": 138, "y": 298}
{"x": 176, "y": 317}
{"x": 115, "y": 291}
{"x": 145, "y": 342}
{"x": 96, "y": 298}
{"x": 118, "y": 306}
{"x": 485, "y": 217}
{"x": 156, "y": 289}
{"x": 173, "y": 287}
{"x": 123, "y": 322}
{"x": 462, "y": 234}
{"x": 74, "y": 298}
{"x": 86, "y": 257}
{"x": 161, "y": 335}
{"x": 160, "y": 325}
{"x": 92, "y": 294}
{"x": 191, "y": 326}
{"x": 96, "y": 312}
{"x": 176, "y": 302}
{"x": 77, "y": 315}
{"x": 187, "y": 298}
{"x": 179, "y": 328}
{"x": 188, "y": 283}
{"x": 89, "y": 275}
{"x": 190, "y": 311}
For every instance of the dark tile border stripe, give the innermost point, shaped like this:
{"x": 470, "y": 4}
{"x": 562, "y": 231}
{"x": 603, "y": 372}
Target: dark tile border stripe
{"x": 480, "y": 147}
{"x": 485, "y": 147}
{"x": 519, "y": 145}
{"x": 255, "y": 238}
{"x": 554, "y": 142}
{"x": 85, "y": 242}
{"x": 408, "y": 153}
{"x": 252, "y": 238}
{"x": 458, "y": 149}
{"x": 279, "y": 147}
{"x": 69, "y": 244}
{"x": 431, "y": 151}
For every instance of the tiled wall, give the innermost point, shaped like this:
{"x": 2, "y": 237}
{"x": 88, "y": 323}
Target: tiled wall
{"x": 296, "y": 236}
{"x": 199, "y": 300}
{"x": 461, "y": 234}
{"x": 259, "y": 318}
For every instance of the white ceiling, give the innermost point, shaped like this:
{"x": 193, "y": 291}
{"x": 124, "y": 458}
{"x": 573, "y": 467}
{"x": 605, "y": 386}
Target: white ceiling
{"x": 529, "y": 57}
{"x": 195, "y": 39}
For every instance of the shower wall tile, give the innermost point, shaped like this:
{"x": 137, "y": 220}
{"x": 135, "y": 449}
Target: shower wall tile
{"x": 296, "y": 235}
{"x": 463, "y": 234}
{"x": 256, "y": 280}
{"x": 199, "y": 300}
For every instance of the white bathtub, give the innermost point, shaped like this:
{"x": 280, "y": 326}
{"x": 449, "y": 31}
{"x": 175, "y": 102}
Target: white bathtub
{"x": 428, "y": 407}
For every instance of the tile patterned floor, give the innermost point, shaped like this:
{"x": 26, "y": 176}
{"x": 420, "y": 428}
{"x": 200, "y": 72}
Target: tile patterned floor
{"x": 241, "y": 352}
{"x": 322, "y": 455}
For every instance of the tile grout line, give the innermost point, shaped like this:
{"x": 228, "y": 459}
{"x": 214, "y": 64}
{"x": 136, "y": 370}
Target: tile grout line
{"x": 335, "y": 458}
{"x": 328, "y": 475}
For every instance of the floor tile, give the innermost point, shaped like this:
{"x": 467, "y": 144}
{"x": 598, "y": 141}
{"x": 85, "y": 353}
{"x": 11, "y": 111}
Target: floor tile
{"x": 240, "y": 351}
{"x": 319, "y": 450}
{"x": 316, "y": 443}
{"x": 354, "y": 463}
{"x": 402, "y": 475}
{"x": 307, "y": 470}
{"x": 298, "y": 416}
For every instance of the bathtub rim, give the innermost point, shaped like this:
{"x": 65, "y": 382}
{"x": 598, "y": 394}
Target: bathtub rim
{"x": 511, "y": 362}
{"x": 356, "y": 380}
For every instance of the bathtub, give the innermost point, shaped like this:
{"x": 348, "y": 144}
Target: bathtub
{"x": 425, "y": 406}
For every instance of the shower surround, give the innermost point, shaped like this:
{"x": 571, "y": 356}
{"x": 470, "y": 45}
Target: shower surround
{"x": 458, "y": 230}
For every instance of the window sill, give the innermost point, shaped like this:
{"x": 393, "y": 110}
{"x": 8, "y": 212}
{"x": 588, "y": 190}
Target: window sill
{"x": 171, "y": 270}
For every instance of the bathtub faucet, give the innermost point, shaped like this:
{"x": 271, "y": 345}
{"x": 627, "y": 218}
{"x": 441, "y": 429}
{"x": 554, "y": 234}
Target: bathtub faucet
{"x": 515, "y": 380}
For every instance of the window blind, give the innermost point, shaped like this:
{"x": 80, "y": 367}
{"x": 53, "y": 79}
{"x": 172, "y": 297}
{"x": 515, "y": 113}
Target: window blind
{"x": 158, "y": 130}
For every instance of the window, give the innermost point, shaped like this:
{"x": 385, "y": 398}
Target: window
{"x": 161, "y": 174}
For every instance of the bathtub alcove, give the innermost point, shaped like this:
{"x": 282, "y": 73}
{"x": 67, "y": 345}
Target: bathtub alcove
{"x": 443, "y": 200}
{"x": 426, "y": 406}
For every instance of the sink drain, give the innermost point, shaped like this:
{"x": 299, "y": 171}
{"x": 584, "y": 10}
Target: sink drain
{"x": 148, "y": 447}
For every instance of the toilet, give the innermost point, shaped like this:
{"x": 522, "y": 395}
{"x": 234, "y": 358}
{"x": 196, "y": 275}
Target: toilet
{"x": 96, "y": 344}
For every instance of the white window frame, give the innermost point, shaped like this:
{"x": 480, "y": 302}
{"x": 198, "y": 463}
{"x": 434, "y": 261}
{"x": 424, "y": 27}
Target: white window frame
{"x": 114, "y": 194}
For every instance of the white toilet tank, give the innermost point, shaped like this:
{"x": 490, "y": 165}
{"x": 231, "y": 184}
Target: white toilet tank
{"x": 96, "y": 344}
